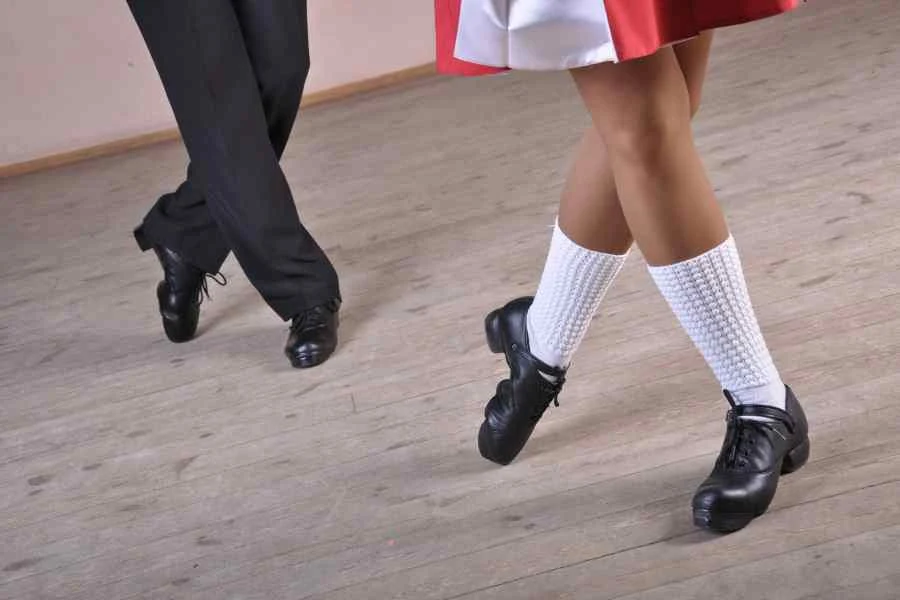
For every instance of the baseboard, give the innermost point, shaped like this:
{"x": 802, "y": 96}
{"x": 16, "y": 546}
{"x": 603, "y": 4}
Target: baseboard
{"x": 73, "y": 156}
{"x": 139, "y": 141}
{"x": 355, "y": 88}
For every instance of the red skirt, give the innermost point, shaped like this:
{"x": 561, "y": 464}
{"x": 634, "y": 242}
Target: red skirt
{"x": 478, "y": 37}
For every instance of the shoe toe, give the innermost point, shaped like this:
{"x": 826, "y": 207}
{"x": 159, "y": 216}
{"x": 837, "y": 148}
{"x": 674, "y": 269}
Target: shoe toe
{"x": 182, "y": 327}
{"x": 179, "y": 316}
{"x": 709, "y": 497}
{"x": 310, "y": 353}
{"x": 306, "y": 360}
{"x": 489, "y": 446}
{"x": 738, "y": 493}
{"x": 726, "y": 505}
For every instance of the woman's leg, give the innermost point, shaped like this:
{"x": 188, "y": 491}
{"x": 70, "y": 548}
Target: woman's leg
{"x": 641, "y": 109}
{"x": 589, "y": 210}
{"x": 587, "y": 250}
{"x": 592, "y": 237}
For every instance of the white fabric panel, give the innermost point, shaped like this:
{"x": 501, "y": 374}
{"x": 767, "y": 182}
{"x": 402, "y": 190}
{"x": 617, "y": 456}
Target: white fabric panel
{"x": 534, "y": 34}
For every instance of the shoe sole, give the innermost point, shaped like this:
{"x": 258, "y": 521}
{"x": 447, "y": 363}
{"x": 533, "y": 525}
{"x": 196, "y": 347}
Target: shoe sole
{"x": 730, "y": 522}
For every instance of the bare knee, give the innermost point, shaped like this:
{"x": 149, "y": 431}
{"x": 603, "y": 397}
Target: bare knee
{"x": 645, "y": 134}
{"x": 641, "y": 108}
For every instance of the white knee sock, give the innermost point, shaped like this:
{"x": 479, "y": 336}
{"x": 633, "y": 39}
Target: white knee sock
{"x": 573, "y": 283}
{"x": 709, "y": 296}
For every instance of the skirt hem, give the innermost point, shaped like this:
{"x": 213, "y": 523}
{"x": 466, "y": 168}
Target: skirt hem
{"x": 627, "y": 42}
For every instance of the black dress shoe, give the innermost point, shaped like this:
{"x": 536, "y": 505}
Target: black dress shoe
{"x": 761, "y": 443}
{"x": 180, "y": 294}
{"x": 313, "y": 336}
{"x": 520, "y": 401}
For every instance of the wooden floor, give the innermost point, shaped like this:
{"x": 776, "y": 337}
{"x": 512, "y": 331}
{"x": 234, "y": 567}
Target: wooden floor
{"x": 134, "y": 468}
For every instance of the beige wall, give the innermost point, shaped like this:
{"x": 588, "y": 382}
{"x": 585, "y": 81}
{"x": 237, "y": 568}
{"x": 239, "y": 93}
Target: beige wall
{"x": 75, "y": 73}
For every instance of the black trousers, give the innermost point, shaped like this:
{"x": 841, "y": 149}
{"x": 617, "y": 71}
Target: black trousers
{"x": 234, "y": 72}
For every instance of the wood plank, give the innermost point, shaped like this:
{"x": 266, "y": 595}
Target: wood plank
{"x": 126, "y": 461}
{"x": 381, "y": 499}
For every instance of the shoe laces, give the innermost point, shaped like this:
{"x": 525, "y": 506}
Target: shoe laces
{"x": 743, "y": 439}
{"x": 746, "y": 428}
{"x": 219, "y": 278}
{"x": 316, "y": 316}
{"x": 549, "y": 392}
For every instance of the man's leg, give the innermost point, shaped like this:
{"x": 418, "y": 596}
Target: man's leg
{"x": 181, "y": 221}
{"x": 277, "y": 41}
{"x": 199, "y": 50}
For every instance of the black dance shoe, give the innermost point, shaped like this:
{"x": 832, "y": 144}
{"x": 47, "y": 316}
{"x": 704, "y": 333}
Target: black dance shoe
{"x": 180, "y": 294}
{"x": 313, "y": 336}
{"x": 761, "y": 444}
{"x": 520, "y": 401}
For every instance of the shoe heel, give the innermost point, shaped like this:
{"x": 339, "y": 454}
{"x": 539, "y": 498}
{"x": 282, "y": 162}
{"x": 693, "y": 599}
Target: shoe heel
{"x": 796, "y": 458}
{"x": 492, "y": 332}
